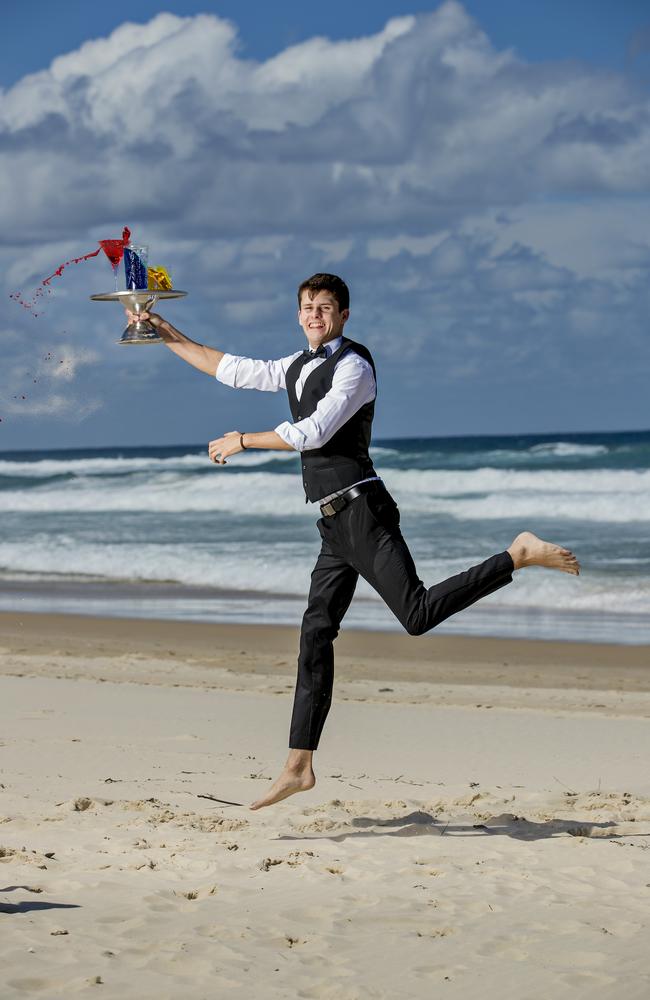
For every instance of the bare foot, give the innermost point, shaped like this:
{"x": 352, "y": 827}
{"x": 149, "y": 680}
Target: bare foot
{"x": 529, "y": 550}
{"x": 297, "y": 776}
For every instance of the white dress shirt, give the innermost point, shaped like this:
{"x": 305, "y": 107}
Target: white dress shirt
{"x": 353, "y": 385}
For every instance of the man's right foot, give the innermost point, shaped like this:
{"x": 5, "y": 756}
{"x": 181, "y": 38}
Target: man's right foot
{"x": 289, "y": 782}
{"x": 297, "y": 776}
{"x": 529, "y": 550}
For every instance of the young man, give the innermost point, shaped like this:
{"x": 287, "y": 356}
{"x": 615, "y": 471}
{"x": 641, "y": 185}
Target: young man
{"x": 332, "y": 388}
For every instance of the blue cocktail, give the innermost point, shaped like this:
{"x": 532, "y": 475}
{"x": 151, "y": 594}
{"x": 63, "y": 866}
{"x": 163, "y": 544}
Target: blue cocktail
{"x": 135, "y": 265}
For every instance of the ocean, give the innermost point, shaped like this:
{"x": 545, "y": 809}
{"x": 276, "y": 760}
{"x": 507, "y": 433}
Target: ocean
{"x": 161, "y": 532}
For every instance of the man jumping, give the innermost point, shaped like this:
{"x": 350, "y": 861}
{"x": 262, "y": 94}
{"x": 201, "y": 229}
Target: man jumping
{"x": 332, "y": 388}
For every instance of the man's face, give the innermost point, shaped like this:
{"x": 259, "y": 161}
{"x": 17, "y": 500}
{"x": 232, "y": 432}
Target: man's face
{"x": 320, "y": 317}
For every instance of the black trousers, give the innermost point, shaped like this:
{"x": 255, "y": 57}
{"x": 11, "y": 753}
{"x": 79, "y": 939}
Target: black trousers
{"x": 364, "y": 540}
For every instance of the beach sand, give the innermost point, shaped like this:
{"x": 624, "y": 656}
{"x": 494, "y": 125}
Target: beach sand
{"x": 480, "y": 822}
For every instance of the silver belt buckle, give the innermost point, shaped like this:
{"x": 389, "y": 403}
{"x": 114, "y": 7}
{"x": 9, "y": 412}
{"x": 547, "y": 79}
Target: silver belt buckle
{"x": 327, "y": 510}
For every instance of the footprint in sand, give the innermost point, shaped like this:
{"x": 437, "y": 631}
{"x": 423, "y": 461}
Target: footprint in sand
{"x": 320, "y": 825}
{"x": 293, "y": 941}
{"x": 192, "y": 894}
{"x": 503, "y": 947}
{"x": 82, "y": 804}
{"x": 159, "y": 902}
{"x": 9, "y": 854}
{"x": 292, "y": 860}
{"x": 31, "y": 985}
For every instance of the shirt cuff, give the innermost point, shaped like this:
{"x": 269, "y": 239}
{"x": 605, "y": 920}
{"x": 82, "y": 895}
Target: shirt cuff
{"x": 291, "y": 435}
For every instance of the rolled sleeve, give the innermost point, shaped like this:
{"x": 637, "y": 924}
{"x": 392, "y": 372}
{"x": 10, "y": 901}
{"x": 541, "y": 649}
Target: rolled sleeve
{"x": 227, "y": 370}
{"x": 292, "y": 435}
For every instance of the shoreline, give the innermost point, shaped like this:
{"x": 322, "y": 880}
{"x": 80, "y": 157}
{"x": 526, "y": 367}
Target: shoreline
{"x": 202, "y": 604}
{"x": 270, "y": 651}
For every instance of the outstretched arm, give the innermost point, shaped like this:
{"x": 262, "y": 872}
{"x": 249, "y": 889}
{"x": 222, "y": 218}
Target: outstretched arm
{"x": 206, "y": 359}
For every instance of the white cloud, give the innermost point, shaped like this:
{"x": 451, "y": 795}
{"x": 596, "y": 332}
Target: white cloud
{"x": 413, "y": 124}
{"x": 492, "y": 209}
{"x": 53, "y": 405}
{"x": 599, "y": 238}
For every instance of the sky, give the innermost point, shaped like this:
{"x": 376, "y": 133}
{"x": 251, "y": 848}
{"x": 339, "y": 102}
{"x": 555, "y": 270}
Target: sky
{"x": 478, "y": 173}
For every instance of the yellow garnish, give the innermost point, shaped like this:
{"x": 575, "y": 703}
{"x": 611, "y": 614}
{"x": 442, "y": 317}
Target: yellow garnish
{"x": 158, "y": 277}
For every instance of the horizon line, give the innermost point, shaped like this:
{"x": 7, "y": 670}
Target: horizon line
{"x": 378, "y": 440}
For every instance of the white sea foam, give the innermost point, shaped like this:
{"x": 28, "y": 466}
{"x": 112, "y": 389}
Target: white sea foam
{"x": 481, "y": 494}
{"x": 247, "y": 494}
{"x": 285, "y": 569}
{"x": 228, "y": 566}
{"x": 566, "y": 449}
{"x": 85, "y": 466}
{"x": 47, "y": 467}
{"x": 487, "y": 494}
{"x": 486, "y": 480}
{"x": 609, "y": 508}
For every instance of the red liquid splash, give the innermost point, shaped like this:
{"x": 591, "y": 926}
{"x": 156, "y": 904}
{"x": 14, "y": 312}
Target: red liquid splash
{"x": 110, "y": 248}
{"x": 75, "y": 260}
{"x": 114, "y": 250}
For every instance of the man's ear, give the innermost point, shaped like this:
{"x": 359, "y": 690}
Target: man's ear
{"x": 345, "y": 315}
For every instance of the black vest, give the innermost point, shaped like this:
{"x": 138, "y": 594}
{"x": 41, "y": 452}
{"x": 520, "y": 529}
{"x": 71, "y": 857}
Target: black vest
{"x": 344, "y": 459}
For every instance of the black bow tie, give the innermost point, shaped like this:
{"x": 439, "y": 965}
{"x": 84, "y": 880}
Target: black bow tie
{"x": 320, "y": 352}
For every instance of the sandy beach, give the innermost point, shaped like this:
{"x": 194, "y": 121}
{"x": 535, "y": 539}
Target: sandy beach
{"x": 481, "y": 818}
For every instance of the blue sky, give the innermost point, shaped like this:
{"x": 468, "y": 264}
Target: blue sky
{"x": 597, "y": 31}
{"x": 478, "y": 172}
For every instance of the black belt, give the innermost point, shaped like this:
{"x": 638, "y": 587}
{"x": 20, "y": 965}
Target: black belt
{"x": 341, "y": 502}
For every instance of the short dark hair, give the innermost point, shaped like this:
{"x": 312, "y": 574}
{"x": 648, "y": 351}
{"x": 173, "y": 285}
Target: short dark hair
{"x": 326, "y": 283}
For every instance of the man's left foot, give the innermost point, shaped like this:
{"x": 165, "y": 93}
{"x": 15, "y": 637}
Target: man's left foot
{"x": 289, "y": 782}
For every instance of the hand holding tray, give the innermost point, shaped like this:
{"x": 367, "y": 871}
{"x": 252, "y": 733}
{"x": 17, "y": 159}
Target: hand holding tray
{"x": 139, "y": 300}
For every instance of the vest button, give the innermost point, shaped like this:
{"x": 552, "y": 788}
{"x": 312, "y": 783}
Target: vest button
{"x": 305, "y": 468}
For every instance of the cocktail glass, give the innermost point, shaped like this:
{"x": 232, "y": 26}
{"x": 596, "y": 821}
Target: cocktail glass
{"x": 114, "y": 250}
